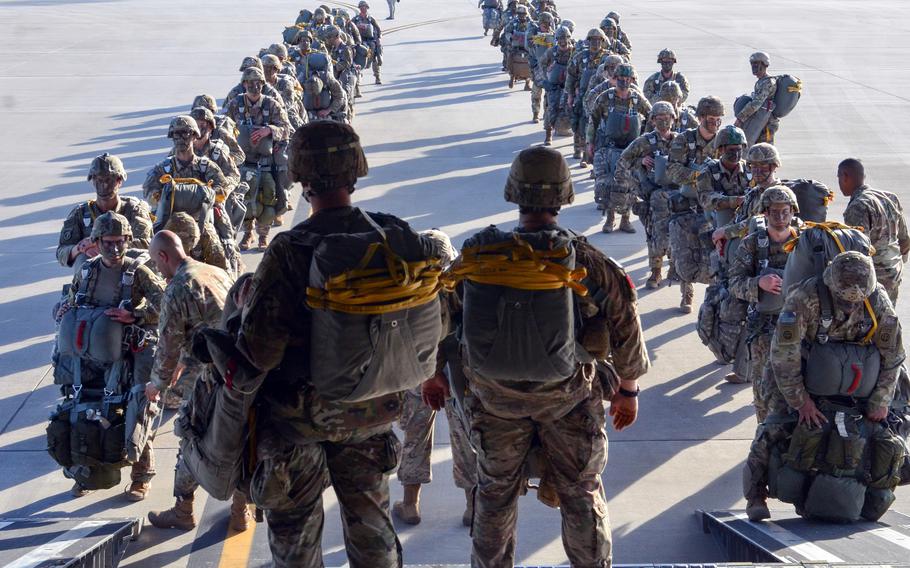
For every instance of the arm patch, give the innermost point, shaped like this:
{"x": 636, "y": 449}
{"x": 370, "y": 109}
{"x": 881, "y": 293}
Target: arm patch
{"x": 886, "y": 338}
{"x": 787, "y": 329}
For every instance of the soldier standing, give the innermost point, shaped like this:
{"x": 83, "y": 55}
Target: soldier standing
{"x": 566, "y": 415}
{"x": 371, "y": 35}
{"x": 107, "y": 176}
{"x": 580, "y": 72}
{"x": 194, "y": 298}
{"x": 762, "y": 96}
{"x": 225, "y": 128}
{"x": 239, "y": 88}
{"x": 651, "y": 87}
{"x": 286, "y": 86}
{"x": 763, "y": 161}
{"x": 554, "y": 64}
{"x": 539, "y": 42}
{"x": 881, "y": 216}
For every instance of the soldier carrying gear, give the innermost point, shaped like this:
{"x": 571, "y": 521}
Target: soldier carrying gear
{"x": 250, "y": 63}
{"x": 104, "y": 348}
{"x": 515, "y": 43}
{"x": 225, "y": 129}
{"x": 555, "y": 63}
{"x": 581, "y": 70}
{"x": 343, "y": 67}
{"x": 671, "y": 92}
{"x": 580, "y": 281}
{"x": 541, "y": 39}
{"x": 620, "y": 34}
{"x": 287, "y": 88}
{"x": 611, "y": 42}
{"x": 107, "y": 175}
{"x": 371, "y": 36}
{"x": 324, "y": 98}
{"x": 755, "y": 114}
{"x": 763, "y": 161}
{"x": 652, "y": 84}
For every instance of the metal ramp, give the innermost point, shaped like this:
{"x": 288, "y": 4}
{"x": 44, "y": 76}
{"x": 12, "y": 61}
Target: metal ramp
{"x": 788, "y": 538}
{"x": 65, "y": 543}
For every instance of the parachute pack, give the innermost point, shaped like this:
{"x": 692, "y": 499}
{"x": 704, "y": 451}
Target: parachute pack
{"x": 813, "y": 198}
{"x": 817, "y": 245}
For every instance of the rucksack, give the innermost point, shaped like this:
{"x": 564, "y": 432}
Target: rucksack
{"x": 813, "y": 198}
{"x": 375, "y": 292}
{"x": 189, "y": 195}
{"x": 816, "y": 246}
{"x": 787, "y": 95}
{"x": 519, "y": 321}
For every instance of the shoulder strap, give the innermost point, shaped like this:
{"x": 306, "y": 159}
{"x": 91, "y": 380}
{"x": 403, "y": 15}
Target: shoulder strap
{"x": 826, "y": 313}
{"x": 88, "y": 214}
{"x": 764, "y": 246}
{"x": 128, "y": 277}
{"x": 652, "y": 140}
{"x": 86, "y": 272}
{"x": 690, "y": 138}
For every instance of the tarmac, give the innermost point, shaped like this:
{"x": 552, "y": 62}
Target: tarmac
{"x": 81, "y": 77}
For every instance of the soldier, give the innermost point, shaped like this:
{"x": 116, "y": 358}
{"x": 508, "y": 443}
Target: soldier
{"x": 763, "y": 162}
{"x": 215, "y": 150}
{"x": 688, "y": 153}
{"x": 264, "y": 130}
{"x": 131, "y": 292}
{"x": 564, "y": 416}
{"x": 670, "y": 92}
{"x": 620, "y": 34}
{"x": 343, "y": 66}
{"x": 239, "y": 89}
{"x": 200, "y": 245}
{"x": 637, "y": 169}
{"x": 612, "y": 44}
{"x": 225, "y": 128}
{"x": 371, "y": 36}
{"x": 617, "y": 118}
{"x": 280, "y": 50}
{"x": 286, "y": 86}
{"x": 554, "y": 64}
{"x": 194, "y": 298}
{"x": 756, "y": 276}
{"x": 762, "y": 96}
{"x": 604, "y": 79}
{"x": 581, "y": 69}
{"x": 514, "y": 40}
{"x": 723, "y": 183}
{"x": 324, "y": 98}
{"x": 881, "y": 216}
{"x": 849, "y": 295}
{"x": 652, "y": 85}
{"x": 539, "y": 42}
{"x": 107, "y": 176}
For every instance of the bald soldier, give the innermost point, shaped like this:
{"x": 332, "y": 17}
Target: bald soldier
{"x": 881, "y": 216}
{"x": 194, "y": 298}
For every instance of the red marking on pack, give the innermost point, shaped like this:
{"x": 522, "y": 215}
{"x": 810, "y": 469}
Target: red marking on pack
{"x": 629, "y": 280}
{"x": 229, "y": 374}
{"x": 857, "y": 378}
{"x": 80, "y": 332}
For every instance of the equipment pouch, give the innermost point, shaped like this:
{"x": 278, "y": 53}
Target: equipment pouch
{"x": 85, "y": 442}
{"x": 790, "y": 485}
{"x": 888, "y": 456}
{"x": 804, "y": 446}
{"x": 58, "y": 435}
{"x": 837, "y": 499}
{"x": 877, "y": 503}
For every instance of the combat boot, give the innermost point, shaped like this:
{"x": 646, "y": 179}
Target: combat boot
{"x": 247, "y": 241}
{"x": 735, "y": 379}
{"x": 625, "y": 225}
{"x": 609, "y": 223}
{"x": 655, "y": 279}
{"x": 263, "y": 243}
{"x": 279, "y": 221}
{"x": 548, "y": 137}
{"x": 527, "y": 85}
{"x": 408, "y": 509}
{"x": 79, "y": 491}
{"x": 688, "y": 292}
{"x": 536, "y": 118}
{"x": 180, "y": 516}
{"x": 378, "y": 80}
{"x": 576, "y": 148}
{"x": 576, "y": 153}
{"x": 138, "y": 490}
{"x": 511, "y": 80}
{"x": 757, "y": 509}
{"x": 240, "y": 513}
{"x": 468, "y": 516}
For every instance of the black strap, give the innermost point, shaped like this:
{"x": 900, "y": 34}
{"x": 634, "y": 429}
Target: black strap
{"x": 764, "y": 246}
{"x": 826, "y": 311}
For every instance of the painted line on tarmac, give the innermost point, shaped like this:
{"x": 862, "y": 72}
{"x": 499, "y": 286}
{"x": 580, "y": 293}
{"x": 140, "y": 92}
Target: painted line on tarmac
{"x": 894, "y": 537}
{"x": 237, "y": 547}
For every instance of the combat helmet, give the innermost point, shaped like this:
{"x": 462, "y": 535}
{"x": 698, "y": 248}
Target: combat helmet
{"x": 106, "y": 164}
{"x": 250, "y": 62}
{"x": 779, "y": 194}
{"x": 670, "y": 90}
{"x": 331, "y": 32}
{"x": 568, "y": 24}
{"x": 662, "y": 107}
{"x": 625, "y": 70}
{"x": 444, "y": 246}
{"x": 760, "y": 57}
{"x": 313, "y": 85}
{"x": 279, "y": 50}
{"x": 253, "y": 74}
{"x": 206, "y": 101}
{"x": 666, "y": 53}
{"x": 270, "y": 60}
{"x": 545, "y": 17}
{"x": 185, "y": 227}
{"x": 763, "y": 153}
{"x": 202, "y": 113}
{"x": 521, "y": 10}
{"x": 608, "y": 24}
{"x": 709, "y": 106}
{"x": 326, "y": 155}
{"x": 731, "y": 136}
{"x": 614, "y": 16}
{"x": 563, "y": 33}
{"x": 183, "y": 122}
{"x": 363, "y": 4}
{"x": 851, "y": 276}
{"x": 539, "y": 177}
{"x": 111, "y": 224}
{"x": 611, "y": 62}
{"x": 596, "y": 33}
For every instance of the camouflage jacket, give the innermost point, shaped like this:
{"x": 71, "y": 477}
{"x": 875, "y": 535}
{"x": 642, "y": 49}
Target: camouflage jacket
{"x": 78, "y": 225}
{"x": 688, "y": 153}
{"x": 719, "y": 188}
{"x": 277, "y": 119}
{"x": 219, "y": 152}
{"x": 764, "y": 91}
{"x": 209, "y": 249}
{"x": 368, "y": 28}
{"x": 581, "y": 60}
{"x": 789, "y": 342}
{"x": 629, "y": 168}
{"x": 289, "y": 89}
{"x": 745, "y": 267}
{"x": 239, "y": 89}
{"x": 597, "y": 85}
{"x": 881, "y": 216}
{"x": 751, "y": 207}
{"x": 685, "y": 120}
{"x": 652, "y": 84}
{"x": 275, "y": 337}
{"x": 225, "y": 133}
{"x": 147, "y": 290}
{"x": 200, "y": 168}
{"x": 556, "y": 55}
{"x": 609, "y": 100}
{"x": 611, "y": 331}
{"x": 617, "y": 47}
{"x": 342, "y": 61}
{"x": 194, "y": 298}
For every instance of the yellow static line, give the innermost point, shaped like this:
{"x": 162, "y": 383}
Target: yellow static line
{"x": 237, "y": 547}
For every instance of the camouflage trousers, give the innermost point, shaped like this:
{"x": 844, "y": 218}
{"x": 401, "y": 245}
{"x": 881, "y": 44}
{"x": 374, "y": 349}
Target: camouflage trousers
{"x": 890, "y": 279}
{"x": 536, "y": 98}
{"x": 144, "y": 469}
{"x": 262, "y": 228}
{"x": 574, "y": 447}
{"x": 417, "y": 421}
{"x": 764, "y": 388}
{"x": 773, "y": 431}
{"x": 553, "y": 107}
{"x": 658, "y": 228}
{"x": 607, "y": 193}
{"x": 768, "y": 132}
{"x": 288, "y": 485}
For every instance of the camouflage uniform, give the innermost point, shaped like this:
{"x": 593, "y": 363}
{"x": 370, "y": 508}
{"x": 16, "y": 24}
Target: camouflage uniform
{"x": 78, "y": 225}
{"x": 751, "y": 207}
{"x": 612, "y": 196}
{"x": 719, "y": 188}
{"x": 762, "y": 95}
{"x": 200, "y": 168}
{"x": 582, "y": 69}
{"x": 330, "y": 96}
{"x": 371, "y": 36}
{"x": 238, "y": 89}
{"x": 555, "y": 56}
{"x": 219, "y": 152}
{"x": 651, "y": 86}
{"x": 881, "y": 216}
{"x": 567, "y": 418}
{"x": 538, "y": 43}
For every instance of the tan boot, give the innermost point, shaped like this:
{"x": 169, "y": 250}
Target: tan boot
{"x": 688, "y": 292}
{"x": 548, "y": 137}
{"x": 79, "y": 491}
{"x": 247, "y": 241}
{"x": 757, "y": 509}
{"x": 138, "y": 490}
{"x": 279, "y": 221}
{"x": 263, "y": 243}
{"x": 468, "y": 516}
{"x": 609, "y": 223}
{"x": 536, "y": 118}
{"x": 655, "y": 279}
{"x": 527, "y": 85}
{"x": 735, "y": 379}
{"x": 408, "y": 510}
{"x": 240, "y": 513}
{"x": 180, "y": 516}
{"x": 625, "y": 224}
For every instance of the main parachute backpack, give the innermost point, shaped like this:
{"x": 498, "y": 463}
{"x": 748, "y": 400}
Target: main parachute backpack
{"x": 376, "y": 293}
{"x": 519, "y": 321}
{"x": 817, "y": 245}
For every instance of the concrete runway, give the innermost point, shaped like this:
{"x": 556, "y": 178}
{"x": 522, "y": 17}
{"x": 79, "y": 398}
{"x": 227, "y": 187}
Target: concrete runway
{"x": 81, "y": 77}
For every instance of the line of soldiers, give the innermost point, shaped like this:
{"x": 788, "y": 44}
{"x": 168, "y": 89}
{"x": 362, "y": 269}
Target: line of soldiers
{"x": 149, "y": 272}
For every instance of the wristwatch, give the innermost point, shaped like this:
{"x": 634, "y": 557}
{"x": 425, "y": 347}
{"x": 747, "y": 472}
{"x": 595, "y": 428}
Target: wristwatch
{"x": 628, "y": 393}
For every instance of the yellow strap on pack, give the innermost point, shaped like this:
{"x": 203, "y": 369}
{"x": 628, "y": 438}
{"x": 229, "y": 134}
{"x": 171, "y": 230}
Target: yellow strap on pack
{"x": 168, "y": 178}
{"x": 796, "y": 87}
{"x": 516, "y": 264}
{"x": 398, "y": 286}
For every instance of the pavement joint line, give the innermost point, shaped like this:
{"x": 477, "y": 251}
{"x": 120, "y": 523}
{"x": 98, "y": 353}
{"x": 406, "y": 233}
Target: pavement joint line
{"x": 22, "y": 404}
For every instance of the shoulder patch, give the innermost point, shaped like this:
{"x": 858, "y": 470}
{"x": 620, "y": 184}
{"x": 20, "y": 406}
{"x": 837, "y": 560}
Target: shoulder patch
{"x": 615, "y": 265}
